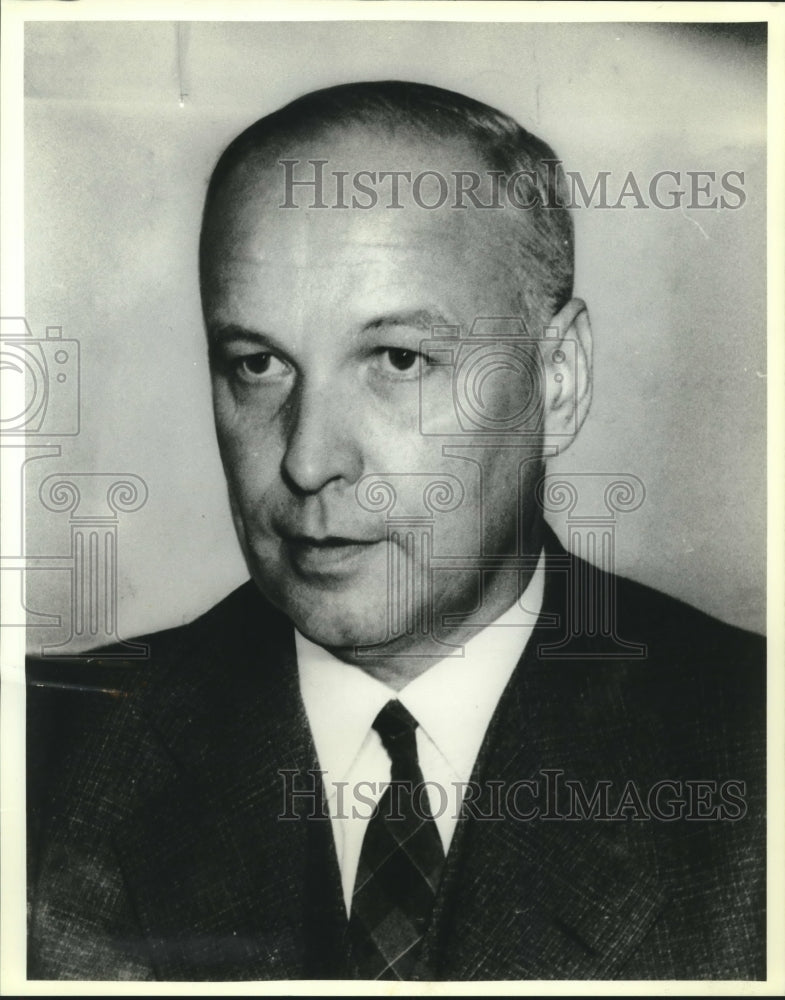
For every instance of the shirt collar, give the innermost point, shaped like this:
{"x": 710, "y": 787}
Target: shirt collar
{"x": 341, "y": 702}
{"x": 453, "y": 701}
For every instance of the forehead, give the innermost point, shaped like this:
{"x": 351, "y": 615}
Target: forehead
{"x": 351, "y": 182}
{"x": 266, "y": 233}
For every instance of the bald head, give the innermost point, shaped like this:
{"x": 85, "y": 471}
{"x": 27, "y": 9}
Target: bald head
{"x": 379, "y": 128}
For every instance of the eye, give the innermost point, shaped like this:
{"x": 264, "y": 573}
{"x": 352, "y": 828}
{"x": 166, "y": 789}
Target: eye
{"x": 261, "y": 366}
{"x": 400, "y": 362}
{"x": 401, "y": 359}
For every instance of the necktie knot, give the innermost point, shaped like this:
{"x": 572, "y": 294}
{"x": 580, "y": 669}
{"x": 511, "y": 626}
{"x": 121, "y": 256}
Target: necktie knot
{"x": 397, "y": 727}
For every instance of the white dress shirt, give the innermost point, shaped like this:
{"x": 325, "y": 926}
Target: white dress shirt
{"x": 453, "y": 702}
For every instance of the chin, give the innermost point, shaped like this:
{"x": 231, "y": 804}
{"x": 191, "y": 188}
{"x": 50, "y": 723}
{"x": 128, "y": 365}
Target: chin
{"x": 333, "y": 619}
{"x": 333, "y": 630}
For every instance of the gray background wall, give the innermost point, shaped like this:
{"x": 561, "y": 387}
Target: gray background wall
{"x": 115, "y": 173}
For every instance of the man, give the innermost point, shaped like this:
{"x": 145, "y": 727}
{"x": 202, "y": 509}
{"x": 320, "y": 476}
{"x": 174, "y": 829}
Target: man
{"x": 423, "y": 742}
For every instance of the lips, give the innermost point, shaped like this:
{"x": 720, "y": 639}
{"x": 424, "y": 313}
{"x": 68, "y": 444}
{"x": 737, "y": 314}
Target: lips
{"x": 329, "y": 555}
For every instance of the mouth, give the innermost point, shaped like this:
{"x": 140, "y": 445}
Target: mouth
{"x": 328, "y": 555}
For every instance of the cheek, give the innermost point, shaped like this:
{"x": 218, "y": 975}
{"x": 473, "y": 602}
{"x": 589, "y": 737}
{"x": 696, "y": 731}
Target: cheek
{"x": 510, "y": 503}
{"x": 247, "y": 439}
{"x": 499, "y": 501}
{"x": 251, "y": 467}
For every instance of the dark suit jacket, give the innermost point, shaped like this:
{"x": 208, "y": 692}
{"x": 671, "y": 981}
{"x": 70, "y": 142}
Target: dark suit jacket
{"x": 155, "y": 791}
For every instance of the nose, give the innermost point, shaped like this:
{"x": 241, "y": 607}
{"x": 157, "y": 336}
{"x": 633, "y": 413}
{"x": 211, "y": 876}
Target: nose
{"x": 322, "y": 443}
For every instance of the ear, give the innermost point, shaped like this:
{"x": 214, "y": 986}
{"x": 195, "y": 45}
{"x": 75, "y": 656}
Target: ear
{"x": 567, "y": 356}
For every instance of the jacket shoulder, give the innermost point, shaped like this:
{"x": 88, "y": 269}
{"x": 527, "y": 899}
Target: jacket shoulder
{"x": 75, "y": 702}
{"x": 116, "y": 668}
{"x": 661, "y": 612}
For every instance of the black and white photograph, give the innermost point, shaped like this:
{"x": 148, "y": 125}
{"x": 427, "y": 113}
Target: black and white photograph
{"x": 387, "y": 556}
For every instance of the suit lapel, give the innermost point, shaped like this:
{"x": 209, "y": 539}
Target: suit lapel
{"x": 225, "y": 889}
{"x": 216, "y": 876}
{"x": 538, "y": 898}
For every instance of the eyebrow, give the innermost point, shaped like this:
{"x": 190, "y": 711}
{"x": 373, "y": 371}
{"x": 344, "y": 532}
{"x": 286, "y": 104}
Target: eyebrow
{"x": 417, "y": 319}
{"x": 229, "y": 331}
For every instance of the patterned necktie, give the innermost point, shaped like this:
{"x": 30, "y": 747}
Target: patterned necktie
{"x": 400, "y": 863}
